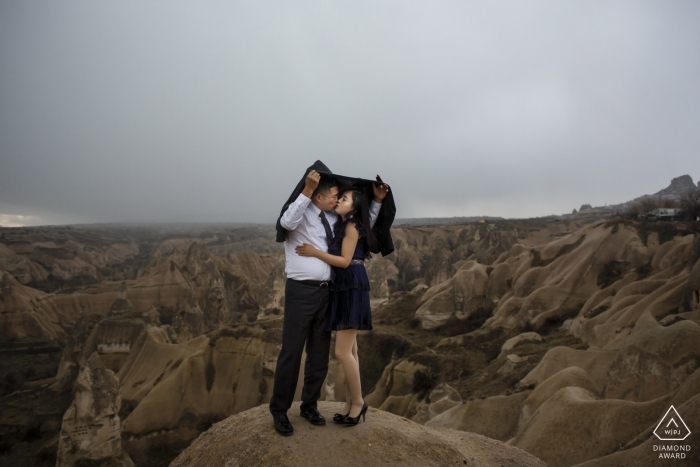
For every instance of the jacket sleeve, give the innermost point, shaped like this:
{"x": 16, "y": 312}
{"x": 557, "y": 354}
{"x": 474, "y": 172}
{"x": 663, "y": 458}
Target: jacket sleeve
{"x": 294, "y": 214}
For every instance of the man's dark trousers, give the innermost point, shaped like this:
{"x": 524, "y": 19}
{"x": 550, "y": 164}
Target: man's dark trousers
{"x": 305, "y": 316}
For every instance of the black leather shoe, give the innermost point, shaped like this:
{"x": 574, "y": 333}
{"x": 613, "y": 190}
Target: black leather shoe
{"x": 282, "y": 426}
{"x": 313, "y": 416}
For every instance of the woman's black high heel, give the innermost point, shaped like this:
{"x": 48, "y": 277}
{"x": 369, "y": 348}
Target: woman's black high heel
{"x": 352, "y": 421}
{"x": 338, "y": 418}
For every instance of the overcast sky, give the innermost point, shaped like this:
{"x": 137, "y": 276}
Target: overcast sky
{"x": 210, "y": 111}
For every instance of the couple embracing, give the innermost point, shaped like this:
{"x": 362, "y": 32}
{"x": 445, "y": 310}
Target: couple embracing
{"x": 329, "y": 227}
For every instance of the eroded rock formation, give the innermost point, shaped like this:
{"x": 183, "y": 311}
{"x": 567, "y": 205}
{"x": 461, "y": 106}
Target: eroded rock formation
{"x": 91, "y": 428}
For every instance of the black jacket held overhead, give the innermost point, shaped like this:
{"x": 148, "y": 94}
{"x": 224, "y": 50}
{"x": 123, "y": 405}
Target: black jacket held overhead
{"x": 382, "y": 226}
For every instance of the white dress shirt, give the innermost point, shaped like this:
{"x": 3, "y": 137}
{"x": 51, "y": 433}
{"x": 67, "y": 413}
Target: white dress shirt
{"x": 303, "y": 225}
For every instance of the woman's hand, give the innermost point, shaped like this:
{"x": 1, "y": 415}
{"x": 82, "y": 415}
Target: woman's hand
{"x": 380, "y": 192}
{"x": 306, "y": 250}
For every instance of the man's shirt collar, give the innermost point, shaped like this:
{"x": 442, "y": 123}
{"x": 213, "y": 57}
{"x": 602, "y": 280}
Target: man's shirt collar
{"x": 315, "y": 209}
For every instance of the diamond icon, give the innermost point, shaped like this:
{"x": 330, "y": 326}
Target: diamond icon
{"x": 672, "y": 427}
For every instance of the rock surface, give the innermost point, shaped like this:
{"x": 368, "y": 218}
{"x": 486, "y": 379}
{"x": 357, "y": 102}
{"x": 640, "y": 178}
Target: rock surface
{"x": 248, "y": 438}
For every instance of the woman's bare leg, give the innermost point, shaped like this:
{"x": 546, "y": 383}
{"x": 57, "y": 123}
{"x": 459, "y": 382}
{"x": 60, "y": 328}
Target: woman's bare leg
{"x": 344, "y": 343}
{"x": 348, "y": 399}
{"x": 354, "y": 350}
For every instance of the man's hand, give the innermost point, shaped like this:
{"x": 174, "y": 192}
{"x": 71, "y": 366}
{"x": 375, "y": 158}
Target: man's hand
{"x": 311, "y": 183}
{"x": 380, "y": 191}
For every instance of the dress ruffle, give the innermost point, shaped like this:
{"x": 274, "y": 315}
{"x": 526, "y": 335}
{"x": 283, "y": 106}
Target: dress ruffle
{"x": 352, "y": 277}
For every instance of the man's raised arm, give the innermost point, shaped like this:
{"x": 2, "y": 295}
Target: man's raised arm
{"x": 295, "y": 212}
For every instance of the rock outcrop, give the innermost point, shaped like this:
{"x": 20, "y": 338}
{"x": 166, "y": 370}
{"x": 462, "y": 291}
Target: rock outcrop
{"x": 272, "y": 296}
{"x": 91, "y": 429}
{"x": 72, "y": 356}
{"x": 394, "y": 391}
{"x": 679, "y": 186}
{"x": 186, "y": 387}
{"x": 249, "y": 439}
{"x": 121, "y": 305}
{"x": 461, "y": 296}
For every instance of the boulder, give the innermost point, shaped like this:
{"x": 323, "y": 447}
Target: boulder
{"x": 248, "y": 438}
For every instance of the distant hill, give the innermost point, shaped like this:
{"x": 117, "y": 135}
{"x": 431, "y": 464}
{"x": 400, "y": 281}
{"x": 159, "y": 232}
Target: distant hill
{"x": 677, "y": 188}
{"x": 443, "y": 220}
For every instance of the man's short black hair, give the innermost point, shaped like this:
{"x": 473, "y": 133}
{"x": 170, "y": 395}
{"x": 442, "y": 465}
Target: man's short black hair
{"x": 324, "y": 185}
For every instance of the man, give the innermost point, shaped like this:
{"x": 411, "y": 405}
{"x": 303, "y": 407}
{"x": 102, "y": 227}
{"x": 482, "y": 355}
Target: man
{"x": 307, "y": 218}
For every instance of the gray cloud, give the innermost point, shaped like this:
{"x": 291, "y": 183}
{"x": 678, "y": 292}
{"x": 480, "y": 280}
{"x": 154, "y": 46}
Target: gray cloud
{"x": 175, "y": 111}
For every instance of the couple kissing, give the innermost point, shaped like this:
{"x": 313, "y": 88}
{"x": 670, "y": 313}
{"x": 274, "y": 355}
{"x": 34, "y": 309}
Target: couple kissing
{"x": 329, "y": 225}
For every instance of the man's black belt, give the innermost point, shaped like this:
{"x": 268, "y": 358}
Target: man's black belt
{"x": 313, "y": 283}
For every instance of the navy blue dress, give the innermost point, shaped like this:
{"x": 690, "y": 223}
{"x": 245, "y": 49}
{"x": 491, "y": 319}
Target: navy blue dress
{"x": 349, "y": 299}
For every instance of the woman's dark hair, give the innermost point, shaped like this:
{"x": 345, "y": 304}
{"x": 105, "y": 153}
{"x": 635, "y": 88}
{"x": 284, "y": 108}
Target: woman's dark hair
{"x": 360, "y": 211}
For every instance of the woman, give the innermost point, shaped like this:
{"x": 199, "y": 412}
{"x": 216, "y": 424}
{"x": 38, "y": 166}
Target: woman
{"x": 349, "y": 309}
